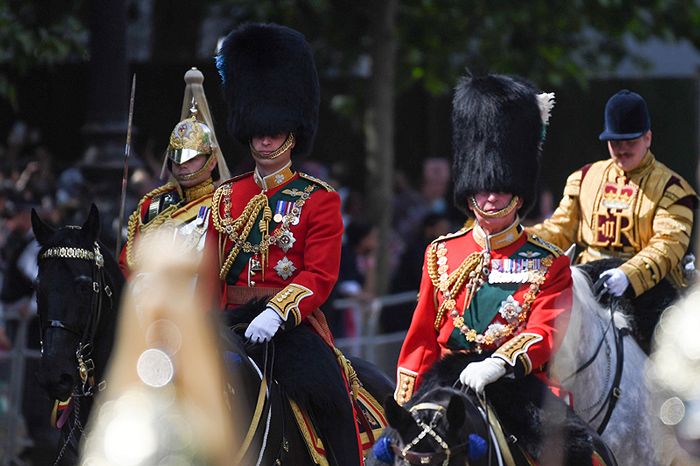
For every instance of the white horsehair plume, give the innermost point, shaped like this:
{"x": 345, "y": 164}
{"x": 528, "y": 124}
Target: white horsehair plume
{"x": 545, "y": 101}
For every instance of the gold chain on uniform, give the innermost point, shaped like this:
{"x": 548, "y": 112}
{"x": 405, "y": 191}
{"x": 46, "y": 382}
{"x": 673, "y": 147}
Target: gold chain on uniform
{"x": 450, "y": 286}
{"x": 238, "y": 230}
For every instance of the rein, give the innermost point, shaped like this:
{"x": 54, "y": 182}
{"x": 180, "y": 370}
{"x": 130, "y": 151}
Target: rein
{"x": 263, "y": 393}
{"x": 610, "y": 399}
{"x": 614, "y": 393}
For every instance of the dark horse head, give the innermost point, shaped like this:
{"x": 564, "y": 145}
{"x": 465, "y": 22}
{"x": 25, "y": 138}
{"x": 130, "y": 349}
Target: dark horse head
{"x": 78, "y": 289}
{"x": 444, "y": 426}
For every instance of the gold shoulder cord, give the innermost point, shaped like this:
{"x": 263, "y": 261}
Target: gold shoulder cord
{"x": 135, "y": 221}
{"x": 454, "y": 282}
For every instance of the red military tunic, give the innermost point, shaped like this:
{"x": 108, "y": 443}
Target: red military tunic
{"x": 300, "y": 217}
{"x": 187, "y": 211}
{"x": 519, "y": 312}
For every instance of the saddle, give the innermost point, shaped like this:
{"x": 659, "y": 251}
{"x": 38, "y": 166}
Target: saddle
{"x": 314, "y": 377}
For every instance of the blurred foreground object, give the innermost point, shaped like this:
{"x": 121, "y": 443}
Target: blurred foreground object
{"x": 165, "y": 403}
{"x": 675, "y": 374}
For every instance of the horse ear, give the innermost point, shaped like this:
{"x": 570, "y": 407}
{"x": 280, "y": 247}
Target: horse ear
{"x": 398, "y": 417}
{"x": 42, "y": 231}
{"x": 91, "y": 227}
{"x": 455, "y": 412}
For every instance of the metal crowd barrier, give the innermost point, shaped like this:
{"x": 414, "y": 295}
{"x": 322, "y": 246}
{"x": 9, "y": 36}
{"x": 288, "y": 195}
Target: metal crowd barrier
{"x": 13, "y": 432}
{"x": 368, "y": 343}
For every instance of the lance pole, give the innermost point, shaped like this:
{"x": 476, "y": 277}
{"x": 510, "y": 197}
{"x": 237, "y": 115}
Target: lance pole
{"x": 125, "y": 173}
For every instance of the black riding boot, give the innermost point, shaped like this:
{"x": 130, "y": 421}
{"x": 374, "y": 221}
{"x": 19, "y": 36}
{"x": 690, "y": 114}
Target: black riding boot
{"x": 340, "y": 439}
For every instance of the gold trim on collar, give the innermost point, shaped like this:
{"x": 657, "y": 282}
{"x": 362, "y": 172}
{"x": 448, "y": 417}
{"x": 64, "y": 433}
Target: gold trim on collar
{"x": 202, "y": 189}
{"x": 278, "y": 178}
{"x": 499, "y": 240}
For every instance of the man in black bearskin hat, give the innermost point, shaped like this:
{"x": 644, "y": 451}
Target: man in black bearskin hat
{"x": 494, "y": 301}
{"x": 491, "y": 288}
{"x": 278, "y": 232}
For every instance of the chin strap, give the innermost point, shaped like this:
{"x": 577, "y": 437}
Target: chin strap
{"x": 507, "y": 210}
{"x": 289, "y": 142}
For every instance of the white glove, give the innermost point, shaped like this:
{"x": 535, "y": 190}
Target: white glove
{"x": 616, "y": 282}
{"x": 264, "y": 326}
{"x": 478, "y": 375}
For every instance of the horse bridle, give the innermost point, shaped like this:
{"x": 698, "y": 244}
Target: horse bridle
{"x": 86, "y": 366}
{"x": 432, "y": 458}
{"x": 610, "y": 399}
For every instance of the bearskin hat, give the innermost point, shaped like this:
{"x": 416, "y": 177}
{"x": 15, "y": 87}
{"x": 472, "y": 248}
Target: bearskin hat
{"x": 270, "y": 84}
{"x": 497, "y": 134}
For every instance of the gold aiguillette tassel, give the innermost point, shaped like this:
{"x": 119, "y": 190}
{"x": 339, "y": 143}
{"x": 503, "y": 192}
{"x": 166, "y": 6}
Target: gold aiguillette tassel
{"x": 264, "y": 230}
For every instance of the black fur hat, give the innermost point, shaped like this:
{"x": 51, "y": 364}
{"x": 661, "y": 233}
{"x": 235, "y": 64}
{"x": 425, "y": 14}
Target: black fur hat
{"x": 270, "y": 84}
{"x": 497, "y": 133}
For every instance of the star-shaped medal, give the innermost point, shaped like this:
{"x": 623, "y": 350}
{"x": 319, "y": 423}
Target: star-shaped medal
{"x": 286, "y": 241}
{"x": 285, "y": 268}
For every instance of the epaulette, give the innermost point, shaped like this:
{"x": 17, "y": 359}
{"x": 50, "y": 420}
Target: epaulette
{"x": 169, "y": 186}
{"x": 461, "y": 232}
{"x": 536, "y": 240}
{"x": 236, "y": 178}
{"x": 317, "y": 181}
{"x": 136, "y": 220}
{"x": 154, "y": 194}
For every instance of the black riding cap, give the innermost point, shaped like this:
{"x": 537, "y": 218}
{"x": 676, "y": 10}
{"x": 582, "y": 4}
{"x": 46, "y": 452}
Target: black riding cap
{"x": 626, "y": 117}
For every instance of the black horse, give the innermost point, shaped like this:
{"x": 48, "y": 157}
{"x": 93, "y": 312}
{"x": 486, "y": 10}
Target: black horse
{"x": 78, "y": 290}
{"x": 445, "y": 426}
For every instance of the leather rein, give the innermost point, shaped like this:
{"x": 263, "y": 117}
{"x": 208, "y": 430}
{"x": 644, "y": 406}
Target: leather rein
{"x": 609, "y": 401}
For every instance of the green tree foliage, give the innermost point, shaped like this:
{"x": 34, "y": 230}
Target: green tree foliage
{"x": 36, "y": 33}
{"x": 548, "y": 41}
{"x": 551, "y": 42}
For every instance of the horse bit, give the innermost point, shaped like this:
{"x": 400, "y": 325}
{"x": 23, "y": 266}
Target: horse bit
{"x": 86, "y": 366}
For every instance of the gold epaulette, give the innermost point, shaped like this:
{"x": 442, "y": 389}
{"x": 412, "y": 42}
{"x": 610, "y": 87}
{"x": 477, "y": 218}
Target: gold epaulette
{"x": 461, "y": 232}
{"x": 236, "y": 178}
{"x": 317, "y": 181}
{"x": 170, "y": 186}
{"x": 573, "y": 184}
{"x": 537, "y": 241}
